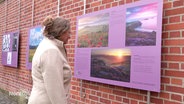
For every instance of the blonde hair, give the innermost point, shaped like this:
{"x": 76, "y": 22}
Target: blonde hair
{"x": 54, "y": 27}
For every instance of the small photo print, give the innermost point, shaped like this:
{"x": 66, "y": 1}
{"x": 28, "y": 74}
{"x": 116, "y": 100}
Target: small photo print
{"x": 15, "y": 42}
{"x": 6, "y": 43}
{"x": 9, "y": 58}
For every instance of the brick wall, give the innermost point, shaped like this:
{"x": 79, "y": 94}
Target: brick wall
{"x": 172, "y": 69}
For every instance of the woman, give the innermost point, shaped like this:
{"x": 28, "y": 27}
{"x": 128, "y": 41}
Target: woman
{"x": 51, "y": 72}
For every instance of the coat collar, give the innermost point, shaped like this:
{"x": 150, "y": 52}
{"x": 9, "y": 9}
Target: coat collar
{"x": 56, "y": 42}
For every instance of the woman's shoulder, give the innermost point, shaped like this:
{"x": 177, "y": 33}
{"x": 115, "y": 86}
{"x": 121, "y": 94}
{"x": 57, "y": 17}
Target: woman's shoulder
{"x": 47, "y": 44}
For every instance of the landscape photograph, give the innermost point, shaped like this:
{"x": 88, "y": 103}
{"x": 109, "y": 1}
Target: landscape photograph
{"x": 35, "y": 38}
{"x": 93, "y": 31}
{"x": 141, "y": 25}
{"x": 111, "y": 64}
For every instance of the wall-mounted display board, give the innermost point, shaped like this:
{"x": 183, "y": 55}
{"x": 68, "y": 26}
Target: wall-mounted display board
{"x": 35, "y": 37}
{"x": 121, "y": 45}
{"x": 10, "y": 48}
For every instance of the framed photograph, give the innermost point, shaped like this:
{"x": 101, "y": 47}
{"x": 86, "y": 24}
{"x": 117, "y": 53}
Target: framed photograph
{"x": 141, "y": 25}
{"x": 35, "y": 37}
{"x": 121, "y": 45}
{"x": 10, "y": 47}
{"x": 93, "y": 31}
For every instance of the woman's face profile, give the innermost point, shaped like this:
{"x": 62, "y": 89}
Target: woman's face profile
{"x": 65, "y": 36}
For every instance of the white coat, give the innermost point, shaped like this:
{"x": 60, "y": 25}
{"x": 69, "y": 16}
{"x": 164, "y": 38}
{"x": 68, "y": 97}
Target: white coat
{"x": 51, "y": 74}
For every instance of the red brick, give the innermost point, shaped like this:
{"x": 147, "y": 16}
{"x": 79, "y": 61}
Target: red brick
{"x": 107, "y": 5}
{"x": 133, "y": 102}
{"x": 104, "y": 95}
{"x": 74, "y": 10}
{"x": 165, "y": 50}
{"x": 174, "y": 42}
{"x": 178, "y": 3}
{"x": 97, "y": 3}
{"x": 102, "y": 7}
{"x": 164, "y": 95}
{"x": 157, "y": 101}
{"x": 129, "y": 1}
{"x": 176, "y": 97}
{"x": 179, "y": 90}
{"x": 107, "y": 1}
{"x": 105, "y": 101}
{"x": 175, "y": 11}
{"x": 121, "y": 2}
{"x": 162, "y": 57}
{"x": 165, "y": 21}
{"x": 68, "y": 3}
{"x": 174, "y": 73}
{"x": 93, "y": 92}
{"x": 111, "y": 97}
{"x": 165, "y": 80}
{"x": 182, "y": 66}
{"x": 104, "y": 89}
{"x": 174, "y": 19}
{"x": 118, "y": 98}
{"x": 99, "y": 94}
{"x": 177, "y": 58}
{"x": 174, "y": 34}
{"x": 170, "y": 102}
{"x": 134, "y": 90}
{"x": 114, "y": 102}
{"x": 96, "y": 9}
{"x": 165, "y": 35}
{"x": 143, "y": 92}
{"x": 95, "y": 98}
{"x": 176, "y": 26}
{"x": 135, "y": 96}
{"x": 125, "y": 100}
{"x": 167, "y": 5}
{"x": 93, "y": 102}
{"x": 74, "y": 92}
{"x": 175, "y": 81}
{"x": 175, "y": 50}
{"x": 94, "y": 87}
{"x": 75, "y": 1}
{"x": 121, "y": 93}
{"x": 173, "y": 65}
{"x": 114, "y": 4}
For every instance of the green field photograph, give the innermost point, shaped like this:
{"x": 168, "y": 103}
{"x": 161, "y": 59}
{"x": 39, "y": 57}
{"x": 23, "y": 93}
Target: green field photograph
{"x": 93, "y": 31}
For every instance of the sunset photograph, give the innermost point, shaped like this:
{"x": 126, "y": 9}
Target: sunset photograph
{"x": 112, "y": 64}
